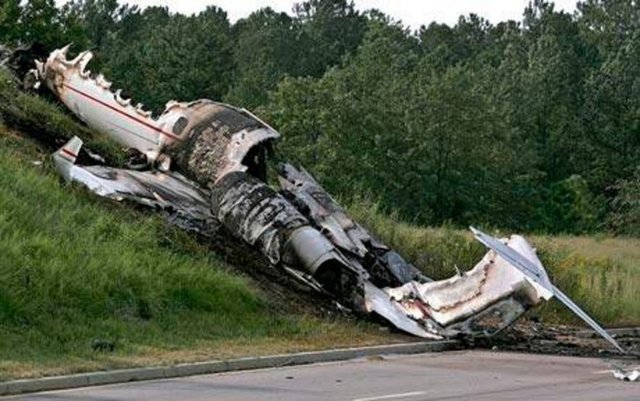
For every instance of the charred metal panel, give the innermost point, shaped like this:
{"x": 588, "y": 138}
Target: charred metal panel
{"x": 255, "y": 213}
{"x": 395, "y": 269}
{"x": 20, "y": 60}
{"x": 323, "y": 210}
{"x": 219, "y": 139}
{"x": 167, "y": 191}
{"x": 459, "y": 298}
{"x": 386, "y": 267}
{"x": 264, "y": 219}
{"x": 379, "y": 302}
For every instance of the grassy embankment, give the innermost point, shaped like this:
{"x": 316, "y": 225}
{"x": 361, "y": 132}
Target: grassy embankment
{"x": 601, "y": 273}
{"x": 80, "y": 275}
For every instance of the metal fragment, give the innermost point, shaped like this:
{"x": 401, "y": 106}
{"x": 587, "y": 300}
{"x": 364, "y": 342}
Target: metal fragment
{"x": 537, "y": 274}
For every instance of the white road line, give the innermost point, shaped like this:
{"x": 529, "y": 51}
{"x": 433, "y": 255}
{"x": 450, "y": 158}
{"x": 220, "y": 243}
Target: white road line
{"x": 391, "y": 396}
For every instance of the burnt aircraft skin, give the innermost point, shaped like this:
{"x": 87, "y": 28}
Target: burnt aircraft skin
{"x": 155, "y": 189}
{"x": 387, "y": 267}
{"x": 223, "y": 151}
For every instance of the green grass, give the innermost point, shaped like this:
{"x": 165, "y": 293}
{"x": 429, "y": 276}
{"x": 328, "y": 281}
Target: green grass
{"x": 76, "y": 271}
{"x": 602, "y": 274}
{"x": 622, "y": 250}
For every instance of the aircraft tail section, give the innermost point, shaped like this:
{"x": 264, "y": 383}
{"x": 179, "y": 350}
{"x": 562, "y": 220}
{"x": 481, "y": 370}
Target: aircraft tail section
{"x": 69, "y": 152}
{"x": 65, "y": 157}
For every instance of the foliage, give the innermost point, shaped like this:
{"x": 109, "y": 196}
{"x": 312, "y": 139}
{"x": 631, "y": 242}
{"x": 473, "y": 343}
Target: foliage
{"x": 625, "y": 217}
{"x": 265, "y": 51}
{"x": 159, "y": 57}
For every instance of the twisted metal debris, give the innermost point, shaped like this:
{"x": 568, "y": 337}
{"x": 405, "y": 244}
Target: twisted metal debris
{"x": 209, "y": 161}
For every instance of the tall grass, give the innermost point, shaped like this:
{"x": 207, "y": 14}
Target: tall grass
{"x": 605, "y": 282}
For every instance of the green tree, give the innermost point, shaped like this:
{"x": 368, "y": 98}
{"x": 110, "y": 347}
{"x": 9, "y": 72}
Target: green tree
{"x": 608, "y": 24}
{"x": 99, "y": 19}
{"x": 348, "y": 127}
{"x": 612, "y": 115}
{"x": 330, "y": 29}
{"x": 40, "y": 22}
{"x": 554, "y": 90}
{"x": 266, "y": 49}
{"x": 157, "y": 56}
{"x": 9, "y": 17}
{"x": 449, "y": 46}
{"x": 625, "y": 216}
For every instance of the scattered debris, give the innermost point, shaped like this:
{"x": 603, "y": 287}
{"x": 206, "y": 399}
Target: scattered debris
{"x": 20, "y": 61}
{"x": 528, "y": 335}
{"x": 101, "y": 345}
{"x": 207, "y": 166}
{"x": 627, "y": 375}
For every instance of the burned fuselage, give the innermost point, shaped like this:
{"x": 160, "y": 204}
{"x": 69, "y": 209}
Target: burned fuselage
{"x": 223, "y": 153}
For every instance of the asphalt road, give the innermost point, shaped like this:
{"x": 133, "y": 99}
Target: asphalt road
{"x": 460, "y": 375}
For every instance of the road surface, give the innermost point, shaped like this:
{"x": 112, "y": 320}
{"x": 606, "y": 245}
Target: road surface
{"x": 460, "y": 375}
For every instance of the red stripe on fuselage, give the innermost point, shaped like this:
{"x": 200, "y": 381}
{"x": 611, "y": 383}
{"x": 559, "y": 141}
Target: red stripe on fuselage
{"x": 100, "y": 102}
{"x": 69, "y": 153}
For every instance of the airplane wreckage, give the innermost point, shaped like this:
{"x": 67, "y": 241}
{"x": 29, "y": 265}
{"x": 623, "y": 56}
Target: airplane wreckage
{"x": 206, "y": 163}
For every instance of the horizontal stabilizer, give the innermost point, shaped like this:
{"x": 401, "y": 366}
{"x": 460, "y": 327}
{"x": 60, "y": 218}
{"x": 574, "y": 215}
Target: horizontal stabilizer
{"x": 69, "y": 152}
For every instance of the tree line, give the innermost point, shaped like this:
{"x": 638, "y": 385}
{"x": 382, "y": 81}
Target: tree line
{"x": 531, "y": 125}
